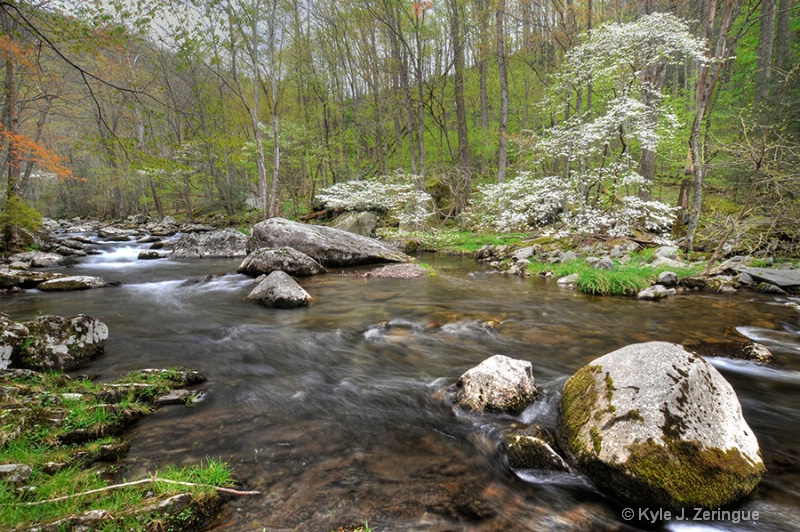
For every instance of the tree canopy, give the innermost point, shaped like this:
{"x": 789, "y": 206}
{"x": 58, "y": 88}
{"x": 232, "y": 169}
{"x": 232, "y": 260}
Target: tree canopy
{"x": 573, "y": 112}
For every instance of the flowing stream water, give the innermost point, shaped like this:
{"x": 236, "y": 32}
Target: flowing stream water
{"x": 337, "y": 419}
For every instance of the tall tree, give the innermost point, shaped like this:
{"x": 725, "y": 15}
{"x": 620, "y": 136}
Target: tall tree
{"x": 766, "y": 39}
{"x": 502, "y": 147}
{"x": 709, "y": 74}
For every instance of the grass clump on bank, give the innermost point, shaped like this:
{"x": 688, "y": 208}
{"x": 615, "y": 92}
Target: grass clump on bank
{"x": 453, "y": 241}
{"x": 60, "y": 442}
{"x": 625, "y": 279}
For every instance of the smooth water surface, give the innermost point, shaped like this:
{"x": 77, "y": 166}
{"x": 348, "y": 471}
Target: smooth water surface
{"x": 334, "y": 412}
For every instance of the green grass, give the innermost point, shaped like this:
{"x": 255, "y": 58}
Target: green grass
{"x": 42, "y": 414}
{"x": 455, "y": 241}
{"x": 625, "y": 279}
{"x": 428, "y": 268}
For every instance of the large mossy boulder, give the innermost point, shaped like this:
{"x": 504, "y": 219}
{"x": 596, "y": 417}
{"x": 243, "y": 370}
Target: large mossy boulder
{"x": 222, "y": 243}
{"x": 498, "y": 384}
{"x": 331, "y": 247}
{"x": 265, "y": 261}
{"x": 653, "y": 424}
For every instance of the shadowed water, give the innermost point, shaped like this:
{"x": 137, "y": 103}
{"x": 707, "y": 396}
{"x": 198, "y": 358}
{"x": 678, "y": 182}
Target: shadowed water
{"x": 333, "y": 412}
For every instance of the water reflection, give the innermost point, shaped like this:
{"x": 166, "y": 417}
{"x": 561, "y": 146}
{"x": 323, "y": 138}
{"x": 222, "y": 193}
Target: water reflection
{"x": 332, "y": 412}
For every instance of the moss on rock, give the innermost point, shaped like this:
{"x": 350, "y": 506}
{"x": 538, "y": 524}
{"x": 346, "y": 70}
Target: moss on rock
{"x": 684, "y": 473}
{"x": 580, "y": 395}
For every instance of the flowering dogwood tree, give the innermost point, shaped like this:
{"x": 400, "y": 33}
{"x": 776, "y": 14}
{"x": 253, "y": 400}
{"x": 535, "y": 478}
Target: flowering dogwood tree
{"x": 601, "y": 188}
{"x": 397, "y": 194}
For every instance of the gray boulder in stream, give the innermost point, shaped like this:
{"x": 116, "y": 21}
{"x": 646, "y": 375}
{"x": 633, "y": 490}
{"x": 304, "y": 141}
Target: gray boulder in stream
{"x": 265, "y": 261}
{"x": 222, "y": 243}
{"x": 73, "y": 282}
{"x": 652, "y": 424}
{"x": 498, "y": 384}
{"x": 281, "y": 291}
{"x": 329, "y": 246}
{"x": 54, "y": 342}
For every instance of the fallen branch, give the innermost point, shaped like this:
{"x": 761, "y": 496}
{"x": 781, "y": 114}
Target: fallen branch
{"x": 150, "y": 480}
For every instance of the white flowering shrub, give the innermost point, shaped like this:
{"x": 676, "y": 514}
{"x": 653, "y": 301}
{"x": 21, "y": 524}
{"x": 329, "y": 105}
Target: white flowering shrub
{"x": 520, "y": 203}
{"x": 527, "y": 202}
{"x": 398, "y": 194}
{"x": 597, "y": 148}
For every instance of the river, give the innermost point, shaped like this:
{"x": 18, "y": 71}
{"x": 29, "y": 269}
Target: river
{"x": 335, "y": 417}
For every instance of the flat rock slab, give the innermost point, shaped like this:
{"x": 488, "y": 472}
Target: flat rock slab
{"x": 782, "y": 278}
{"x": 75, "y": 282}
{"x": 397, "y": 271}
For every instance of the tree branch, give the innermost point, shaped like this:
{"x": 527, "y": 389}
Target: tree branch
{"x": 150, "y": 480}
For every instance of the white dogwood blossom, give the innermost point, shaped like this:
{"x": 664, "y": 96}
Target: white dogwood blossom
{"x": 398, "y": 194}
{"x": 596, "y": 147}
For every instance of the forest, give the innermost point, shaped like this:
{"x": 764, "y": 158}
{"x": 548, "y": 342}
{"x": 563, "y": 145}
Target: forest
{"x": 678, "y": 117}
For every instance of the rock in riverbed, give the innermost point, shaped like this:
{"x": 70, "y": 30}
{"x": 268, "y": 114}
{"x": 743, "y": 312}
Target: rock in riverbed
{"x": 281, "y": 291}
{"x": 653, "y": 424}
{"x": 498, "y": 384}
{"x": 329, "y": 246}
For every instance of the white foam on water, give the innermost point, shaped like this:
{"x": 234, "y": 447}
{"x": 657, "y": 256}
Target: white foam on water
{"x": 754, "y": 369}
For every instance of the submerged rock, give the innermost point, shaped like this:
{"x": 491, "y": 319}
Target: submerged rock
{"x": 331, "y": 247}
{"x": 655, "y": 292}
{"x": 281, "y": 291}
{"x": 654, "y": 424}
{"x": 532, "y": 448}
{"x": 498, "y": 384}
{"x": 397, "y": 271}
{"x": 151, "y": 254}
{"x": 266, "y": 260}
{"x": 737, "y": 350}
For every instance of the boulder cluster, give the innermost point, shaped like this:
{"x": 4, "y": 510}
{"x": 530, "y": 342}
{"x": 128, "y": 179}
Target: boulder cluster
{"x": 276, "y": 251}
{"x": 279, "y": 249}
{"x": 651, "y": 424}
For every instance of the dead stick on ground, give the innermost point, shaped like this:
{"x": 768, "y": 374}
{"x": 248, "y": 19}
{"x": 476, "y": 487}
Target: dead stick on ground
{"x": 134, "y": 483}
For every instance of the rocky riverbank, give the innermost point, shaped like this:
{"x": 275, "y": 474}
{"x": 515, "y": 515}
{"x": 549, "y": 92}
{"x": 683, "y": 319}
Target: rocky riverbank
{"x": 63, "y": 438}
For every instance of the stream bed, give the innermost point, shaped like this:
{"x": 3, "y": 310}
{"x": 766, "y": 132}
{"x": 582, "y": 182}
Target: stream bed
{"x": 333, "y": 412}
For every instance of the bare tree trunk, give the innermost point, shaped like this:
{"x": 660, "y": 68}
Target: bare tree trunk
{"x": 458, "y": 63}
{"x": 276, "y": 145}
{"x": 37, "y": 139}
{"x": 783, "y": 36}
{"x": 653, "y": 84}
{"x": 13, "y": 240}
{"x": 766, "y": 37}
{"x": 501, "y": 64}
{"x": 483, "y": 69}
{"x": 709, "y": 73}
